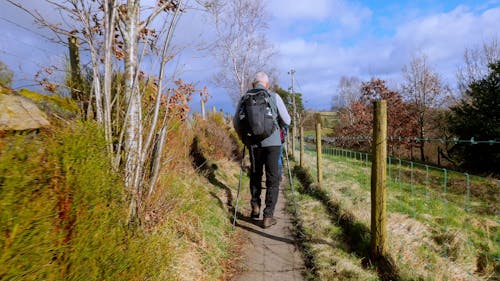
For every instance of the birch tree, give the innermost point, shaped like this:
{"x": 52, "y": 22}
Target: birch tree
{"x": 241, "y": 46}
{"x": 116, "y": 31}
{"x": 424, "y": 90}
{"x": 349, "y": 91}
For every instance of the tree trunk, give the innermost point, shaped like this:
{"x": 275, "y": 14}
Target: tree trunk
{"x": 96, "y": 84}
{"x": 133, "y": 128}
{"x": 109, "y": 31}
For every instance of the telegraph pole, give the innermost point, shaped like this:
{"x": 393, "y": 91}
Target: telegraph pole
{"x": 294, "y": 131}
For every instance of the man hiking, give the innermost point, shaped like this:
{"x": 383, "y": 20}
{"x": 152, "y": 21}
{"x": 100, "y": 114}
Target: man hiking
{"x": 265, "y": 146}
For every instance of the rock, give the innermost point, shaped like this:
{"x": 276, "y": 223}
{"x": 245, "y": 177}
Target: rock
{"x": 18, "y": 113}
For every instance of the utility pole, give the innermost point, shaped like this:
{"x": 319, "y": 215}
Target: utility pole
{"x": 294, "y": 131}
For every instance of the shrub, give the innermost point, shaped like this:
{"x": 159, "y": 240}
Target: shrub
{"x": 217, "y": 140}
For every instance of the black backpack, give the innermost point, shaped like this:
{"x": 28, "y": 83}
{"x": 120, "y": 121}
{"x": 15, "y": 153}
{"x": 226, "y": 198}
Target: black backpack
{"x": 257, "y": 120}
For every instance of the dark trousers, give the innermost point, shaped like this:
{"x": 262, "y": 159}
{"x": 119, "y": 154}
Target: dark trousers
{"x": 265, "y": 157}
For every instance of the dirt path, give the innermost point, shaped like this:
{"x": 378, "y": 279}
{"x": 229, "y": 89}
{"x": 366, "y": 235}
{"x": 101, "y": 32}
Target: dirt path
{"x": 269, "y": 254}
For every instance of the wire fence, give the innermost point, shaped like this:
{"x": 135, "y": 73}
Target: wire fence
{"x": 451, "y": 203}
{"x": 471, "y": 141}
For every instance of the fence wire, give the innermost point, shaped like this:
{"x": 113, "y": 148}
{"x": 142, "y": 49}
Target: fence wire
{"x": 451, "y": 203}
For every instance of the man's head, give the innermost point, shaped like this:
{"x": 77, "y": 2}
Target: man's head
{"x": 261, "y": 78}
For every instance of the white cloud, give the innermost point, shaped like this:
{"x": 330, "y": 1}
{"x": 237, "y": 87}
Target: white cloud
{"x": 297, "y": 47}
{"x": 351, "y": 14}
{"x": 321, "y": 39}
{"x": 347, "y": 14}
{"x": 301, "y": 10}
{"x": 443, "y": 37}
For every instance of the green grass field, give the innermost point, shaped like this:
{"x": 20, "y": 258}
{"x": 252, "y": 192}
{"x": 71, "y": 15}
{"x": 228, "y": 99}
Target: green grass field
{"x": 440, "y": 227}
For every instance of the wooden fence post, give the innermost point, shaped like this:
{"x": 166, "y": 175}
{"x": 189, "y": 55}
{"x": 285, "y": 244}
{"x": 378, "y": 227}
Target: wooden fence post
{"x": 301, "y": 163}
{"x": 318, "y": 150}
{"x": 378, "y": 180}
{"x": 203, "y": 115}
{"x": 76, "y": 74}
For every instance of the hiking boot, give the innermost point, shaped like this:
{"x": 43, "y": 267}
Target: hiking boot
{"x": 255, "y": 212}
{"x": 268, "y": 222}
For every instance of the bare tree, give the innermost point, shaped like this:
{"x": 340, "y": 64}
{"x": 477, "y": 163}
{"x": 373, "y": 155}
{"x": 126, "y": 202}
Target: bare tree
{"x": 424, "y": 90}
{"x": 114, "y": 31}
{"x": 240, "y": 46}
{"x": 138, "y": 151}
{"x": 349, "y": 91}
{"x": 476, "y": 62}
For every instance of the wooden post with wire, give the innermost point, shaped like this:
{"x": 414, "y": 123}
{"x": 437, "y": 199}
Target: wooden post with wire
{"x": 378, "y": 181}
{"x": 318, "y": 150}
{"x": 301, "y": 163}
{"x": 76, "y": 74}
{"x": 203, "y": 114}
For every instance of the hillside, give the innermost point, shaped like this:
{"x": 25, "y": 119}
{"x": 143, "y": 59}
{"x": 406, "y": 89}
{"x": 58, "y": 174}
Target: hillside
{"x": 64, "y": 210}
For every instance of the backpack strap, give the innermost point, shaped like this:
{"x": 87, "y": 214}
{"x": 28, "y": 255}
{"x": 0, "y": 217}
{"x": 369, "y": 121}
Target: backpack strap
{"x": 274, "y": 106}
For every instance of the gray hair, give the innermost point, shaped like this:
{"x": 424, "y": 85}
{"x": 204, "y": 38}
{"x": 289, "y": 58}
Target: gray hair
{"x": 260, "y": 78}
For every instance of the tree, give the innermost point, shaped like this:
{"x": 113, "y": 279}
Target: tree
{"x": 348, "y": 91}
{"x": 240, "y": 46}
{"x": 424, "y": 89}
{"x": 400, "y": 121}
{"x": 476, "y": 64}
{"x": 286, "y": 96}
{"x": 6, "y": 75}
{"x": 477, "y": 116}
{"x": 117, "y": 35}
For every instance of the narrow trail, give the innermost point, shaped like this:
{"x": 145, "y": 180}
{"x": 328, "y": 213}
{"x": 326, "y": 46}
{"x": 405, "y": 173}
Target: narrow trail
{"x": 272, "y": 253}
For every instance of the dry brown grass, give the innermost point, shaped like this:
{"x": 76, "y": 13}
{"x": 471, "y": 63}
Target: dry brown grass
{"x": 190, "y": 206}
{"x": 331, "y": 256}
{"x": 415, "y": 246}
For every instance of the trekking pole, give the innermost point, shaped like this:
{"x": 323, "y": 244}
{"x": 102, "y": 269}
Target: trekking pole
{"x": 291, "y": 181}
{"x": 239, "y": 187}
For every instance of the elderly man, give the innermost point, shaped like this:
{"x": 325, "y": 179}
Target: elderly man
{"x": 265, "y": 155}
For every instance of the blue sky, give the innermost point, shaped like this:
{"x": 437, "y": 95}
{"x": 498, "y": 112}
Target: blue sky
{"x": 321, "y": 39}
{"x": 324, "y": 40}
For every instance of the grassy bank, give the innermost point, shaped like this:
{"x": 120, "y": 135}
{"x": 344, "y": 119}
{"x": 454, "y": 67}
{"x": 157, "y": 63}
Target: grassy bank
{"x": 331, "y": 242}
{"x": 63, "y": 213}
{"x": 428, "y": 240}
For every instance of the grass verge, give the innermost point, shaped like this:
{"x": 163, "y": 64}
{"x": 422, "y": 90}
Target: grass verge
{"x": 429, "y": 238}
{"x": 331, "y": 253}
{"x": 63, "y": 212}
